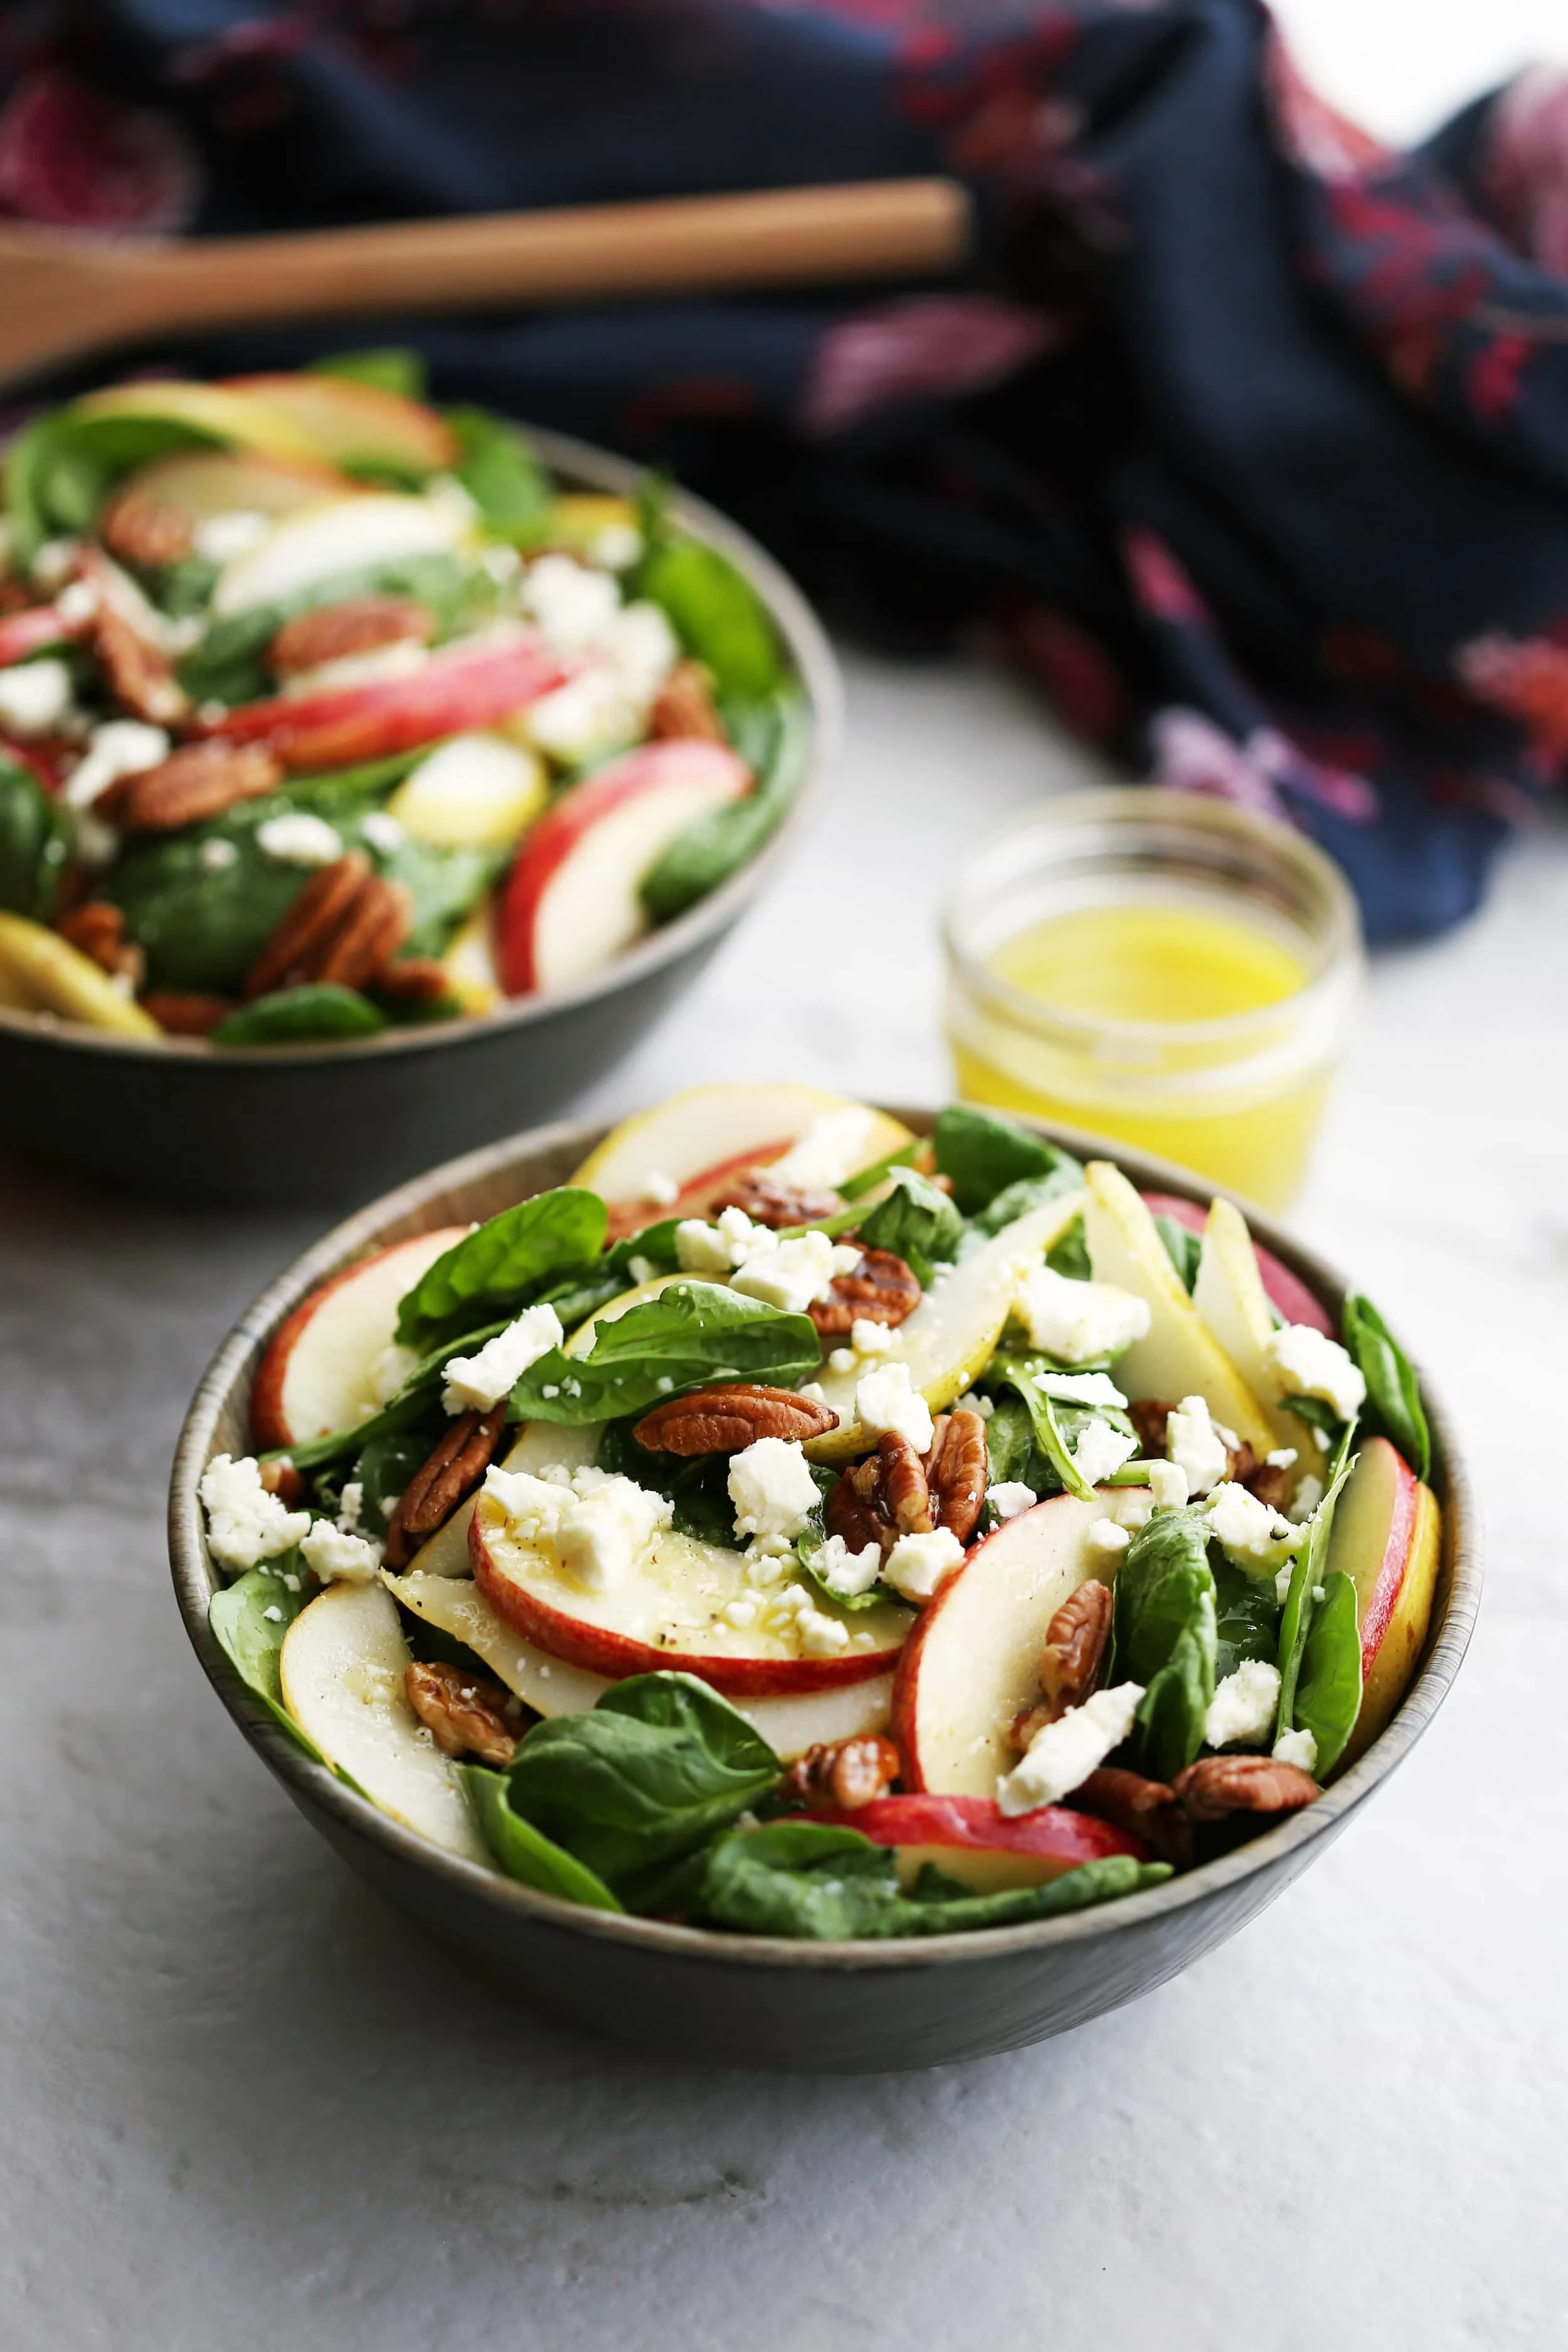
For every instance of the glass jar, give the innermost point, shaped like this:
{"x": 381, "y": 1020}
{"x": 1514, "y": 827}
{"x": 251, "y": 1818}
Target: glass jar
{"x": 1161, "y": 967}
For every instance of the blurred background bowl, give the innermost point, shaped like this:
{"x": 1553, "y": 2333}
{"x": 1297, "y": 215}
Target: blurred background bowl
{"x": 326, "y": 1122}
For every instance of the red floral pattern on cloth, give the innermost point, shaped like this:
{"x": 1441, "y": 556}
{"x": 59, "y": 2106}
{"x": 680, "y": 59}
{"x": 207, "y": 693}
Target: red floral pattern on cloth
{"x": 918, "y": 348}
{"x": 1524, "y": 171}
{"x": 71, "y": 159}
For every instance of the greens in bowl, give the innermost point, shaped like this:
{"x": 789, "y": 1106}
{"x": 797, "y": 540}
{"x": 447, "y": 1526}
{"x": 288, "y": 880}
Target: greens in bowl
{"x": 323, "y": 709}
{"x": 792, "y": 1526}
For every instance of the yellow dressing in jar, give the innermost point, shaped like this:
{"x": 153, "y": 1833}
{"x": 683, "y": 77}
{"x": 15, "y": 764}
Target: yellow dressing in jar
{"x": 1159, "y": 968}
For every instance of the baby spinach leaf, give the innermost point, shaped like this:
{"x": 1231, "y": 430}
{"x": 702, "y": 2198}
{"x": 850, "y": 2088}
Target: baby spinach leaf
{"x": 691, "y": 1333}
{"x": 657, "y": 1767}
{"x": 393, "y": 369}
{"x": 1309, "y": 1573}
{"x": 1172, "y": 1712}
{"x": 317, "y": 1010}
{"x": 717, "y": 845}
{"x": 1056, "y": 1427}
{"x": 1184, "y": 1249}
{"x": 34, "y": 837}
{"x": 185, "y": 587}
{"x": 1392, "y": 1391}
{"x": 501, "y": 473}
{"x": 1247, "y": 1617}
{"x": 1012, "y": 1455}
{"x": 383, "y": 1468}
{"x": 856, "y": 1187}
{"x": 1069, "y": 1256}
{"x": 619, "y": 1269}
{"x": 523, "y": 1852}
{"x": 62, "y": 466}
{"x": 414, "y": 1406}
{"x": 249, "y": 1618}
{"x": 1031, "y": 1193}
{"x": 716, "y": 613}
{"x": 985, "y": 1154}
{"x": 505, "y": 1259}
{"x": 1328, "y": 1688}
{"x": 918, "y": 1222}
{"x": 1165, "y": 1636}
{"x": 1316, "y": 1413}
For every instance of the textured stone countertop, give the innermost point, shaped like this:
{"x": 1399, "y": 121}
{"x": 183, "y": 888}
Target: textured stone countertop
{"x": 246, "y": 2107}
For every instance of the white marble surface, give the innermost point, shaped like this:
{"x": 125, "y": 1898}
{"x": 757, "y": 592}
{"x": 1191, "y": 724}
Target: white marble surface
{"x": 246, "y": 2107}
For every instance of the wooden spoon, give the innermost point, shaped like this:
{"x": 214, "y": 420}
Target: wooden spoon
{"x": 64, "y": 293}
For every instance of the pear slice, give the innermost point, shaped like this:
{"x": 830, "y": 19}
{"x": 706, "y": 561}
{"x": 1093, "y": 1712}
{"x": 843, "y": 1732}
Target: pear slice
{"x": 954, "y": 1331}
{"x": 41, "y": 972}
{"x": 342, "y": 1668}
{"x": 1179, "y": 1355}
{"x": 1229, "y": 1296}
{"x": 316, "y": 544}
{"x": 709, "y": 1130}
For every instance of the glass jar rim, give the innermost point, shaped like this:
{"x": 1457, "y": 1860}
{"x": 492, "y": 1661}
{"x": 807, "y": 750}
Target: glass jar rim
{"x": 1337, "y": 940}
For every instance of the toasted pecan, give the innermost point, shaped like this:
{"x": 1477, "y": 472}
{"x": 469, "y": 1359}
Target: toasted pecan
{"x": 197, "y": 781}
{"x": 1270, "y": 1481}
{"x": 847, "y": 1773}
{"x": 901, "y": 1485}
{"x": 855, "y": 1511}
{"x": 1149, "y": 1416}
{"x": 1075, "y": 1641}
{"x": 369, "y": 935}
{"x": 454, "y": 1468}
{"x": 466, "y": 1715}
{"x": 186, "y": 1012}
{"x": 346, "y": 925}
{"x": 893, "y": 1492}
{"x": 280, "y": 1477}
{"x": 957, "y": 1469}
{"x": 414, "y": 979}
{"x": 336, "y": 632}
{"x": 97, "y": 931}
{"x": 880, "y": 1289}
{"x": 144, "y": 529}
{"x": 141, "y": 675}
{"x": 730, "y": 1415}
{"x": 684, "y": 706}
{"x": 1217, "y": 1785}
{"x": 768, "y": 1200}
{"x": 1144, "y": 1809}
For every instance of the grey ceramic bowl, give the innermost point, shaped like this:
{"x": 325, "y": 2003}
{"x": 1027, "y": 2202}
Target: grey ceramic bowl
{"x": 760, "y": 2000}
{"x": 333, "y": 1122}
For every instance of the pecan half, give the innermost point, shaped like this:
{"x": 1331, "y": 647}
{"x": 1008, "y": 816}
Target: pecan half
{"x": 185, "y": 1012}
{"x": 901, "y": 1485}
{"x": 1270, "y": 1484}
{"x": 282, "y": 1478}
{"x": 1144, "y": 1809}
{"x": 845, "y": 1772}
{"x": 768, "y": 1201}
{"x": 730, "y": 1416}
{"x": 880, "y": 1289}
{"x": 97, "y": 931}
{"x": 197, "y": 781}
{"x": 414, "y": 979}
{"x": 466, "y": 1715}
{"x": 1149, "y": 1416}
{"x": 1075, "y": 1642}
{"x": 890, "y": 1493}
{"x": 140, "y": 674}
{"x": 855, "y": 1510}
{"x": 336, "y": 632}
{"x": 685, "y": 705}
{"x": 144, "y": 529}
{"x": 456, "y": 1466}
{"x": 1217, "y": 1785}
{"x": 346, "y": 925}
{"x": 957, "y": 1470}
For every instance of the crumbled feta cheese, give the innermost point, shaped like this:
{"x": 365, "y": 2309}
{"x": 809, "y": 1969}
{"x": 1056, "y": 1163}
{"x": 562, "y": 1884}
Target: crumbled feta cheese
{"x": 475, "y": 1383}
{"x": 1107, "y": 1536}
{"x": 569, "y": 601}
{"x": 820, "y": 1635}
{"x": 1079, "y": 1388}
{"x": 846, "y": 1571}
{"x": 1063, "y": 1754}
{"x": 76, "y": 605}
{"x": 1282, "y": 1583}
{"x": 215, "y": 856}
{"x": 886, "y": 1398}
{"x": 641, "y": 649}
{"x": 1011, "y": 1497}
{"x": 389, "y": 1372}
{"x": 701, "y": 1248}
{"x": 1251, "y": 1534}
{"x": 792, "y": 1275}
{"x": 1241, "y": 1711}
{"x": 603, "y": 1533}
{"x": 618, "y": 546}
{"x": 918, "y": 1566}
{"x": 34, "y": 697}
{"x": 1134, "y": 1508}
{"x": 868, "y": 1339}
{"x": 219, "y": 538}
{"x": 338, "y": 1556}
{"x": 1100, "y": 1451}
{"x": 55, "y": 562}
{"x": 590, "y": 714}
{"x": 739, "y": 1613}
{"x": 351, "y": 1505}
{"x": 123, "y": 746}
{"x": 1297, "y": 1748}
{"x": 1306, "y": 1362}
{"x": 972, "y": 1402}
{"x": 1308, "y": 1495}
{"x": 834, "y": 1147}
{"x": 771, "y": 1489}
{"x": 532, "y": 1506}
{"x": 385, "y": 833}
{"x": 1281, "y": 1458}
{"x": 660, "y": 1188}
{"x": 245, "y": 1525}
{"x": 812, "y": 1391}
{"x": 297, "y": 838}
{"x": 641, "y": 1269}
{"x": 1167, "y": 1485}
{"x": 1076, "y": 1321}
{"x": 1196, "y": 1446}
{"x": 842, "y": 1360}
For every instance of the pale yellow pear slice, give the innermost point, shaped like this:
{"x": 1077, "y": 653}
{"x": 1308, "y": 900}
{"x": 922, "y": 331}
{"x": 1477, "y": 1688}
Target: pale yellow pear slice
{"x": 473, "y": 791}
{"x": 41, "y": 972}
{"x": 539, "y": 1445}
{"x": 1230, "y": 1298}
{"x": 953, "y": 1333}
{"x": 342, "y": 1663}
{"x": 210, "y": 409}
{"x": 706, "y": 1129}
{"x": 1179, "y": 1356}
{"x": 316, "y": 544}
{"x": 469, "y": 962}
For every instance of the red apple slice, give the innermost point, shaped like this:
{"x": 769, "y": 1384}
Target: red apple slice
{"x": 317, "y": 1374}
{"x": 973, "y": 1663}
{"x": 971, "y": 1840}
{"x": 201, "y": 483}
{"x": 1288, "y": 1291}
{"x": 1386, "y": 1538}
{"x": 355, "y": 424}
{"x": 571, "y": 902}
{"x": 461, "y": 687}
{"x": 668, "y": 1613}
{"x": 28, "y": 631}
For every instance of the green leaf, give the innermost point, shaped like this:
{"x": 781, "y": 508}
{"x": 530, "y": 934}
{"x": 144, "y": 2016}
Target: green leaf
{"x": 63, "y": 465}
{"x": 1057, "y": 1427}
{"x": 383, "y": 1468}
{"x": 505, "y": 1259}
{"x": 416, "y": 1405}
{"x": 1032, "y": 1192}
{"x": 1392, "y": 1391}
{"x": 918, "y": 1222}
{"x": 34, "y": 839}
{"x": 1308, "y": 1574}
{"x": 854, "y": 1188}
{"x": 690, "y": 1333}
{"x": 697, "y": 1486}
{"x": 1174, "y": 1706}
{"x": 392, "y": 369}
{"x": 1165, "y": 1636}
{"x": 774, "y": 746}
{"x": 716, "y": 613}
{"x": 657, "y": 1767}
{"x": 230, "y": 665}
{"x": 523, "y": 1852}
{"x": 501, "y": 473}
{"x": 1247, "y": 1617}
{"x": 983, "y": 1154}
{"x": 1316, "y": 1413}
{"x": 1184, "y": 1249}
{"x": 1328, "y": 1689}
{"x": 1010, "y": 1442}
{"x": 317, "y": 1010}
{"x": 249, "y": 1618}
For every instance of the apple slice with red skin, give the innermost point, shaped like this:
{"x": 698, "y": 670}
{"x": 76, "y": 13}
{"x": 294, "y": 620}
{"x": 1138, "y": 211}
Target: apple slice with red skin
{"x": 971, "y": 1840}
{"x": 29, "y": 631}
{"x": 666, "y": 1613}
{"x": 971, "y": 1663}
{"x": 460, "y": 688}
{"x": 571, "y": 901}
{"x": 1288, "y": 1291}
{"x": 1387, "y": 1538}
{"x": 315, "y": 1376}
{"x": 354, "y": 424}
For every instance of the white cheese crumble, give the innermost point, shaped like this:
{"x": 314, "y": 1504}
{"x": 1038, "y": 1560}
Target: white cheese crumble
{"x": 660, "y": 1188}
{"x": 339, "y": 1557}
{"x": 771, "y": 1489}
{"x": 1063, "y": 1754}
{"x": 295, "y": 838}
{"x": 219, "y": 538}
{"x": 215, "y": 856}
{"x": 886, "y": 1398}
{"x": 1076, "y": 1321}
{"x": 918, "y": 1566}
{"x": 1297, "y": 1748}
{"x": 1079, "y": 1388}
{"x": 791, "y": 1276}
{"x": 124, "y": 747}
{"x": 1134, "y": 1507}
{"x": 1281, "y": 1458}
{"x": 55, "y": 562}
{"x": 34, "y": 697}
{"x": 1306, "y": 1362}
{"x": 1011, "y": 1497}
{"x": 569, "y": 602}
{"x": 1196, "y": 1446}
{"x": 1100, "y": 1449}
{"x": 1308, "y": 1495}
{"x": 868, "y": 1339}
{"x": 832, "y": 1147}
{"x": 1241, "y": 1711}
{"x": 1251, "y": 1534}
{"x": 475, "y": 1383}
{"x": 970, "y": 1401}
{"x": 1109, "y": 1536}
{"x": 385, "y": 833}
{"x": 817, "y": 1635}
{"x": 846, "y": 1571}
{"x": 245, "y": 1525}
{"x": 1167, "y": 1485}
{"x": 590, "y": 714}
{"x": 603, "y": 1534}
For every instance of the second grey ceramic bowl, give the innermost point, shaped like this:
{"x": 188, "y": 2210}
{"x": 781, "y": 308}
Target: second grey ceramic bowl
{"x": 763, "y": 2001}
{"x": 333, "y": 1122}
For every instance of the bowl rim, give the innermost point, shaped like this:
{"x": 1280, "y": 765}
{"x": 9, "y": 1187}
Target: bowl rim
{"x": 1458, "y": 1599}
{"x": 580, "y": 463}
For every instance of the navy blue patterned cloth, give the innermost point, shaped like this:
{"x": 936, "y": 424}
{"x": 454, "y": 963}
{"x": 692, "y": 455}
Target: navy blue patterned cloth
{"x": 1247, "y": 437}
